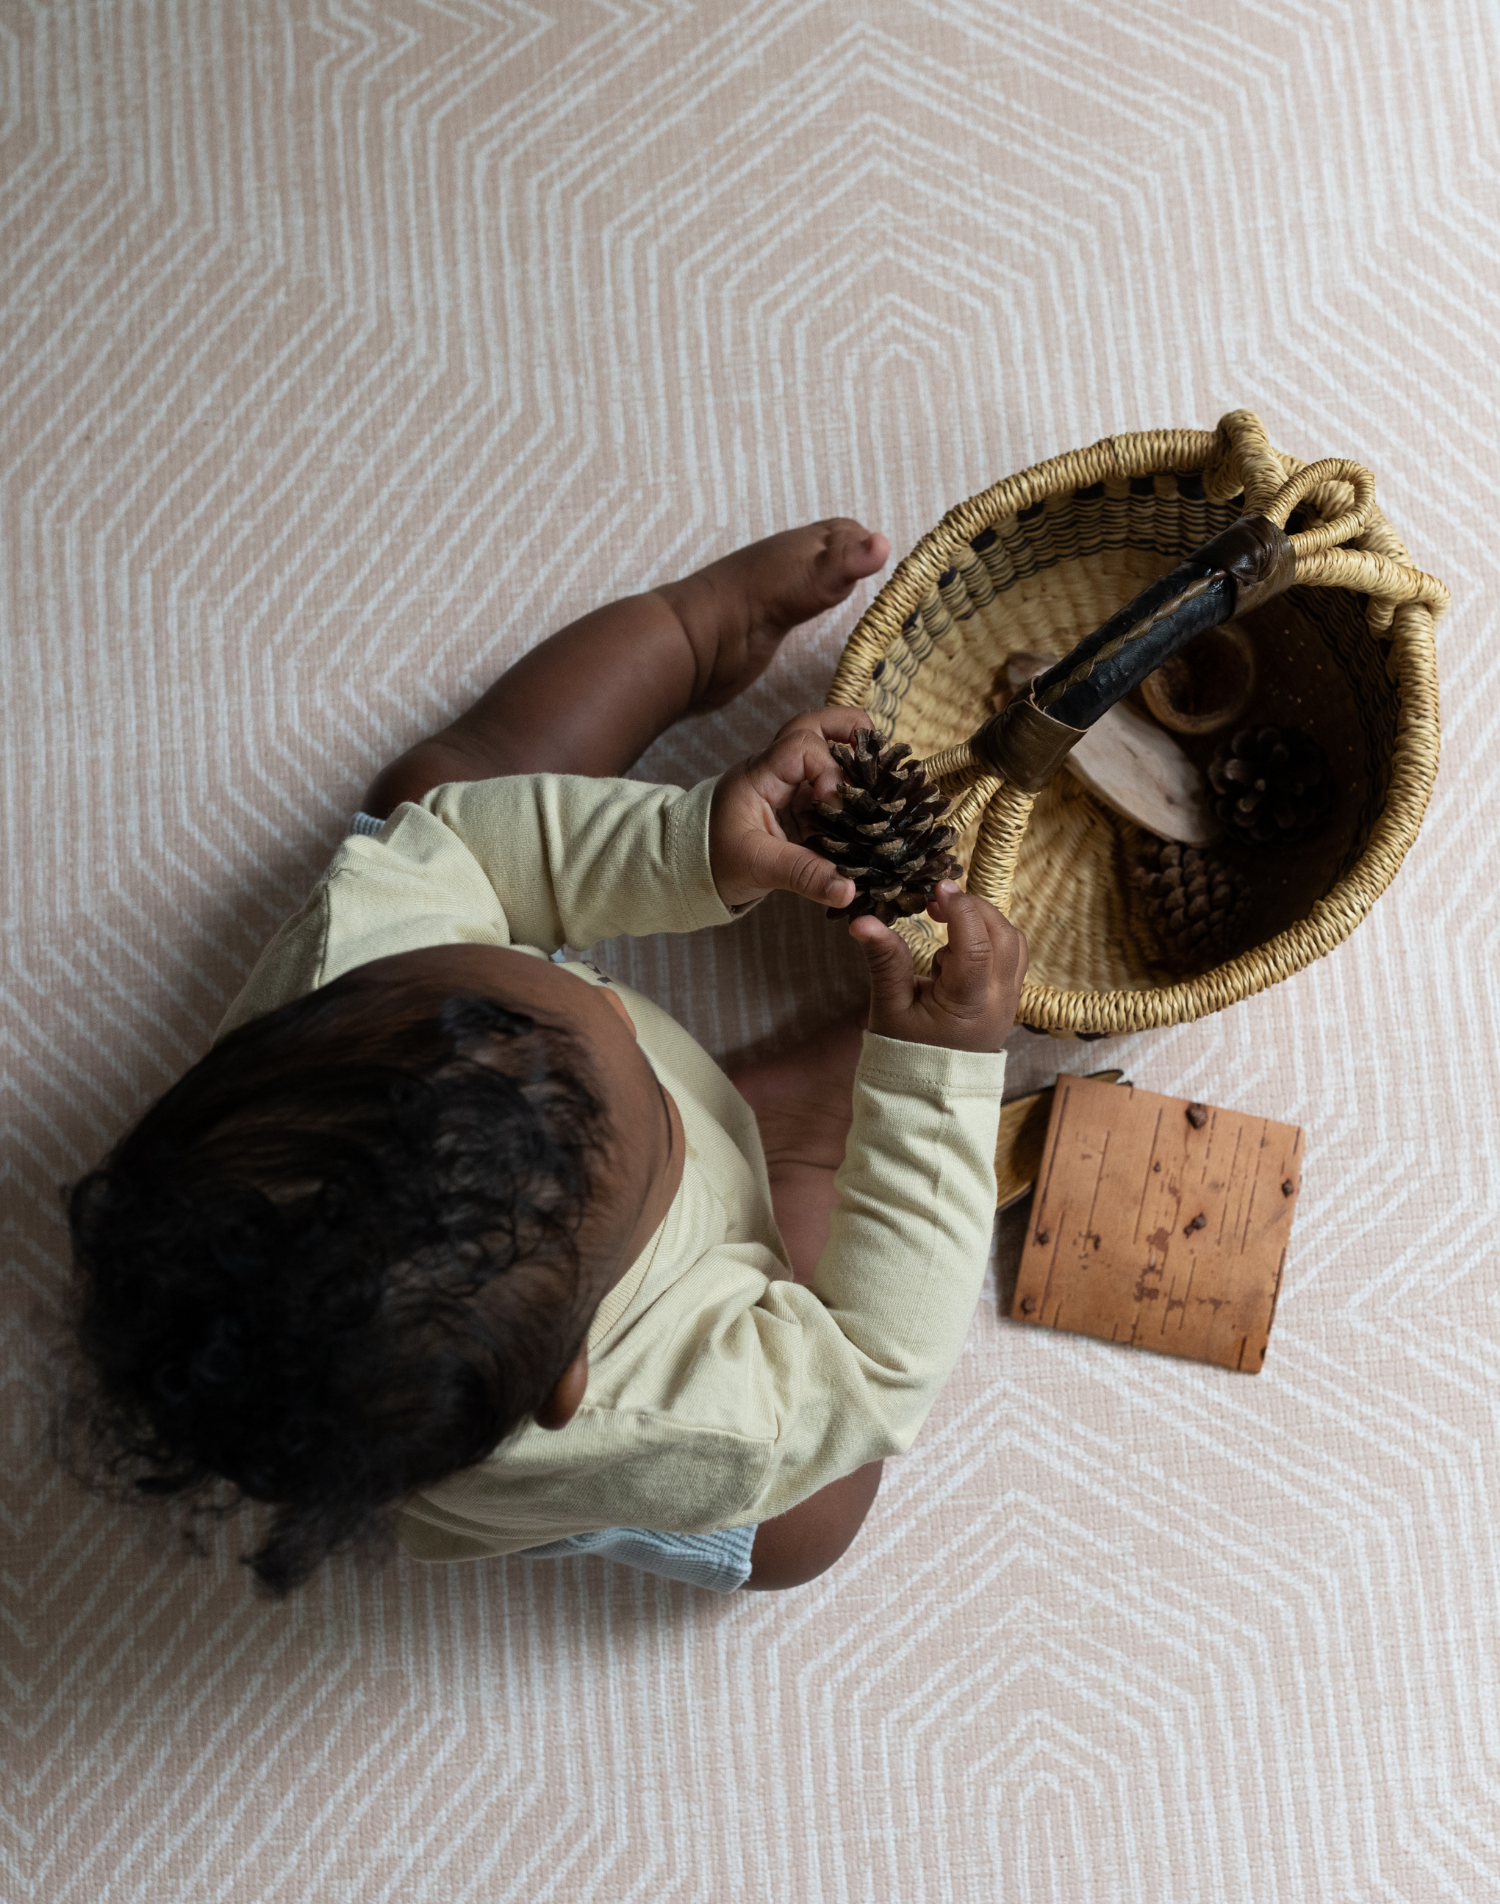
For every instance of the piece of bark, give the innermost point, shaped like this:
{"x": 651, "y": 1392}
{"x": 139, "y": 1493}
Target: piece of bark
{"x": 1136, "y": 767}
{"x": 1129, "y": 762}
{"x": 1023, "y": 1135}
{"x": 1015, "y": 671}
{"x": 1115, "y": 1247}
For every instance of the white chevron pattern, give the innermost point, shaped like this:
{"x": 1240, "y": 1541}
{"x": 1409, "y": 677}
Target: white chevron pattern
{"x": 345, "y": 349}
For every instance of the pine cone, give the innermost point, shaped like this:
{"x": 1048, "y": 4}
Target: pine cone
{"x": 884, "y": 830}
{"x": 1272, "y": 784}
{"x": 1199, "y": 908}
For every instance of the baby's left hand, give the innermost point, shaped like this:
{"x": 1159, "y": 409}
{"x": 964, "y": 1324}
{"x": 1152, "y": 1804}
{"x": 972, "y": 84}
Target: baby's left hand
{"x": 749, "y": 850}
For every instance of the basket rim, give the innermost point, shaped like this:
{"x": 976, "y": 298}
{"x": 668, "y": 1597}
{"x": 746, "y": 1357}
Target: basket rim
{"x": 1414, "y": 759}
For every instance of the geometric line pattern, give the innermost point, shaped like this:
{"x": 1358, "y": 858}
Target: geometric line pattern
{"x": 347, "y": 350}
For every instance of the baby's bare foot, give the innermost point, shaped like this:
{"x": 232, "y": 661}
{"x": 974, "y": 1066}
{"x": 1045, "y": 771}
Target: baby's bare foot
{"x": 736, "y": 611}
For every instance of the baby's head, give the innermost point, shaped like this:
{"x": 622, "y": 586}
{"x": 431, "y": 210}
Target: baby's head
{"x": 363, "y": 1240}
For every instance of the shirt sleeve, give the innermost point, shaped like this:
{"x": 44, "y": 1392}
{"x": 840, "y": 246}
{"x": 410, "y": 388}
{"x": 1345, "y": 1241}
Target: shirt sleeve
{"x": 541, "y": 860}
{"x": 852, "y": 1364}
{"x": 576, "y": 860}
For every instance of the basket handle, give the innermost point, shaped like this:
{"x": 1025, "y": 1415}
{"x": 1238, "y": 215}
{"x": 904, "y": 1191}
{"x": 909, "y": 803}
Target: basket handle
{"x": 1244, "y": 565}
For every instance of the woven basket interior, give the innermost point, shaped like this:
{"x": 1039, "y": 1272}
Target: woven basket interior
{"x": 1041, "y": 580}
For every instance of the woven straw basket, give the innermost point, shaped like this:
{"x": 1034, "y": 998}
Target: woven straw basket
{"x": 1042, "y": 558}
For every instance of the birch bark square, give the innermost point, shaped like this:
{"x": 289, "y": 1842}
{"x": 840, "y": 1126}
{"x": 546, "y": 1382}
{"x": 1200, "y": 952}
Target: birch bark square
{"x": 1160, "y": 1223}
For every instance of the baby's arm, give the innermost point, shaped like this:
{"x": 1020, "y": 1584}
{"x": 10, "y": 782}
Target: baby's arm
{"x": 577, "y": 860}
{"x": 547, "y": 860}
{"x": 894, "y": 1291}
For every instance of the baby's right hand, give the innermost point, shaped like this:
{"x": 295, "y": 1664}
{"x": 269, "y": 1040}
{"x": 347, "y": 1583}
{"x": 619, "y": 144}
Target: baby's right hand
{"x": 969, "y": 1003}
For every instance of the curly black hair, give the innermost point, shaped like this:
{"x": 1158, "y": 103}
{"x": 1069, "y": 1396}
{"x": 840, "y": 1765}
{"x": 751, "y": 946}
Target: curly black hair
{"x": 338, "y": 1260}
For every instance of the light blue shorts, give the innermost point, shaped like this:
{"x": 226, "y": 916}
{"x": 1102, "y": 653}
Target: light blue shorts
{"x": 718, "y": 1561}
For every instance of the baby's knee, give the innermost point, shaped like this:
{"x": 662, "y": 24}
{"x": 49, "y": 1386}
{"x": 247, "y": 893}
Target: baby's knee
{"x": 802, "y": 1543}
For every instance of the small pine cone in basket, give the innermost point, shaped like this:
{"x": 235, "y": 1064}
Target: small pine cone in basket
{"x": 1271, "y": 785}
{"x": 884, "y": 830}
{"x": 1198, "y": 907}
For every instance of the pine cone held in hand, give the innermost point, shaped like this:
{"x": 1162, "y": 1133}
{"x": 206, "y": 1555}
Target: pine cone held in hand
{"x": 884, "y": 830}
{"x": 1272, "y": 785}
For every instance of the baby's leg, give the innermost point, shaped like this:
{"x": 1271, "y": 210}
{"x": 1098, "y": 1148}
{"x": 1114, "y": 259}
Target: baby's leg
{"x": 592, "y": 698}
{"x": 805, "y": 1541}
{"x": 803, "y": 1104}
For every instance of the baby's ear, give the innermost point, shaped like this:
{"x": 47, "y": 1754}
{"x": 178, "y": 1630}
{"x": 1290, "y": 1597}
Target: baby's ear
{"x": 559, "y": 1408}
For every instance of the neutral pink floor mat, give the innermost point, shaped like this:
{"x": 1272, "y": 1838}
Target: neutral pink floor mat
{"x": 348, "y": 350}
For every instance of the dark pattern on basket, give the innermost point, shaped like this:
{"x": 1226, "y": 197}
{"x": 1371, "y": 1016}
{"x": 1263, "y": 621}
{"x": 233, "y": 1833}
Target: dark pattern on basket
{"x": 1163, "y": 515}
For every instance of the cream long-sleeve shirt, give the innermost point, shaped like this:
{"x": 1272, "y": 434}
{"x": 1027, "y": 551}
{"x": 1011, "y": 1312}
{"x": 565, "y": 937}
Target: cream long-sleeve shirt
{"x": 720, "y": 1391}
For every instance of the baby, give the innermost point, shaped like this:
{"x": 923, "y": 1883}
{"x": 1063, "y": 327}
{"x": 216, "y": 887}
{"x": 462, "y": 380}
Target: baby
{"x": 446, "y": 1232}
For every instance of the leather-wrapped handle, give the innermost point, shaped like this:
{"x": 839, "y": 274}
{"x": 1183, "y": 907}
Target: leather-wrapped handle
{"x": 1246, "y": 564}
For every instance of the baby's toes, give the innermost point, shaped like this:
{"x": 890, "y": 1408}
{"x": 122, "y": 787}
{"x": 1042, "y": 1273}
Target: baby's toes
{"x": 850, "y": 552}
